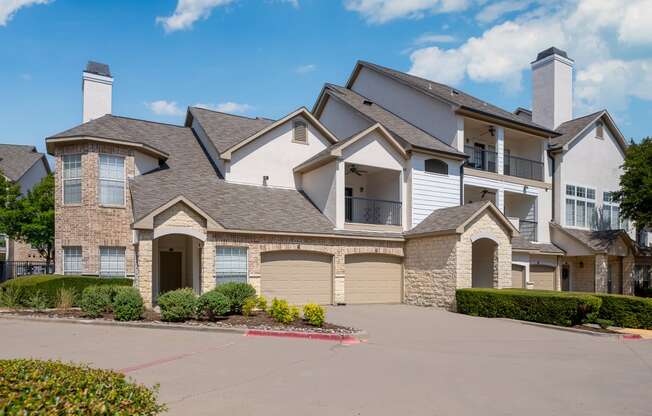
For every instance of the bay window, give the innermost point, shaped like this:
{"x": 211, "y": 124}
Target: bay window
{"x": 112, "y": 180}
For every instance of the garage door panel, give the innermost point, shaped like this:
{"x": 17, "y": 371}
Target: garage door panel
{"x": 373, "y": 279}
{"x": 542, "y": 277}
{"x": 298, "y": 277}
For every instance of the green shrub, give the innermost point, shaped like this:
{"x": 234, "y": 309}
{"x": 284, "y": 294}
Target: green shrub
{"x": 249, "y": 306}
{"x": 66, "y": 298}
{"x": 10, "y": 297}
{"x": 213, "y": 304}
{"x": 261, "y": 303}
{"x": 127, "y": 304}
{"x": 237, "y": 293}
{"x": 178, "y": 305}
{"x": 314, "y": 314}
{"x": 37, "y": 300}
{"x": 96, "y": 300}
{"x": 557, "y": 308}
{"x": 282, "y": 312}
{"x": 55, "y": 388}
{"x": 626, "y": 311}
{"x": 50, "y": 285}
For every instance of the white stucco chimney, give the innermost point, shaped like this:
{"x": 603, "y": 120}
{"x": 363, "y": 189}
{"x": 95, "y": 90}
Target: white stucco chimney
{"x": 97, "y": 86}
{"x": 552, "y": 88}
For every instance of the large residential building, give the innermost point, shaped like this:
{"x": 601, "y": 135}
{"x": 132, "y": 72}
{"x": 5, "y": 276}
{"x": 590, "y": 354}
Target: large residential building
{"x": 393, "y": 188}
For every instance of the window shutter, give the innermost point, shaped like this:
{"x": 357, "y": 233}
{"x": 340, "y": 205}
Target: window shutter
{"x": 300, "y": 132}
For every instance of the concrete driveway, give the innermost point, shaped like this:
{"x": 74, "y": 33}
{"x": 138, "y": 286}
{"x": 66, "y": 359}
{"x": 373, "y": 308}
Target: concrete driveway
{"x": 417, "y": 361}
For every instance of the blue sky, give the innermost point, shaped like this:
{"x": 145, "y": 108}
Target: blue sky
{"x": 268, "y": 57}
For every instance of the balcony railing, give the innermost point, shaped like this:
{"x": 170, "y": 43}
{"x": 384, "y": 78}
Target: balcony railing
{"x": 372, "y": 211}
{"x": 513, "y": 165}
{"x": 528, "y": 229}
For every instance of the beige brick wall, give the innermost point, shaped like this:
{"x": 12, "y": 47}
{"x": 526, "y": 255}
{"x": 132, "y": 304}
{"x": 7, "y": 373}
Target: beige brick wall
{"x": 582, "y": 273}
{"x": 19, "y": 251}
{"x": 88, "y": 224}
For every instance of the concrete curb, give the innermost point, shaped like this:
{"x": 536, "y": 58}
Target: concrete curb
{"x": 354, "y": 338}
{"x": 577, "y": 330}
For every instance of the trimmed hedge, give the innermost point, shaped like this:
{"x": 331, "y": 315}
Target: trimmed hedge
{"x": 178, "y": 305}
{"x": 96, "y": 300}
{"x": 49, "y": 285}
{"x": 55, "y": 388}
{"x": 213, "y": 304}
{"x": 557, "y": 308}
{"x": 237, "y": 293}
{"x": 626, "y": 311}
{"x": 128, "y": 304}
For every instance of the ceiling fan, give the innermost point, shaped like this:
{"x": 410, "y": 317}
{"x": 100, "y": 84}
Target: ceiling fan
{"x": 356, "y": 170}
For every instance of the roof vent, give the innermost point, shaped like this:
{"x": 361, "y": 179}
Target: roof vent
{"x": 454, "y": 92}
{"x": 367, "y": 102}
{"x": 429, "y": 86}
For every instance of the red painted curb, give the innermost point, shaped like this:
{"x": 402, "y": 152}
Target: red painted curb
{"x": 632, "y": 336}
{"x": 345, "y": 339}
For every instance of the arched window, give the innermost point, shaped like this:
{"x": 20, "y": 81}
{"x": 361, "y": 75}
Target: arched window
{"x": 437, "y": 166}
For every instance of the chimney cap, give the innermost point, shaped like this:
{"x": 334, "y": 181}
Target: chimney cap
{"x": 98, "y": 69}
{"x": 551, "y": 51}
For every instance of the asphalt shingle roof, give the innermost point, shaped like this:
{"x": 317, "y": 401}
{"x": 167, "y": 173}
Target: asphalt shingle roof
{"x": 453, "y": 95}
{"x": 402, "y": 130}
{"x": 570, "y": 129}
{"x": 446, "y": 219}
{"x": 16, "y": 159}
{"x": 227, "y": 130}
{"x": 520, "y": 243}
{"x": 596, "y": 240}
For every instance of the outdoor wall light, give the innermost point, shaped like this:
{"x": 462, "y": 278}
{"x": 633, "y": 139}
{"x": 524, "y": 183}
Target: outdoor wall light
{"x": 581, "y": 265}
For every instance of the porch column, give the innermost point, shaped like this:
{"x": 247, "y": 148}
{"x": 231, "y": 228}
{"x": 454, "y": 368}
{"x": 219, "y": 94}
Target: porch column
{"x": 500, "y": 199}
{"x": 339, "y": 194}
{"x": 207, "y": 277}
{"x": 500, "y": 150}
{"x": 459, "y": 137}
{"x": 628, "y": 275}
{"x": 144, "y": 266}
{"x": 601, "y": 273}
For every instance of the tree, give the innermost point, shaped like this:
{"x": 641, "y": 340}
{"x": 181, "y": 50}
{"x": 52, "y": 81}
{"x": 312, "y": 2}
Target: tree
{"x": 635, "y": 195}
{"x": 29, "y": 219}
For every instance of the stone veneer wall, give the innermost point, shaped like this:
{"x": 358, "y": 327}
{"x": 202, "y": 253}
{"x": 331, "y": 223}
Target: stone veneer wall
{"x": 601, "y": 277}
{"x": 88, "y": 224}
{"x": 582, "y": 279}
{"x": 628, "y": 275}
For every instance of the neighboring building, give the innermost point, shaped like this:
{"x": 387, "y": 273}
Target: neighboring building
{"x": 393, "y": 189}
{"x": 24, "y": 166}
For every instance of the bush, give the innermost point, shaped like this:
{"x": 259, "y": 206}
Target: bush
{"x": 237, "y": 293}
{"x": 178, "y": 305}
{"x": 213, "y": 304}
{"x": 282, "y": 312}
{"x": 249, "y": 306}
{"x": 52, "y": 387}
{"x": 37, "y": 300}
{"x": 50, "y": 284}
{"x": 66, "y": 298}
{"x": 557, "y": 308}
{"x": 626, "y": 311}
{"x": 127, "y": 304}
{"x": 10, "y": 297}
{"x": 261, "y": 303}
{"x": 314, "y": 314}
{"x": 96, "y": 300}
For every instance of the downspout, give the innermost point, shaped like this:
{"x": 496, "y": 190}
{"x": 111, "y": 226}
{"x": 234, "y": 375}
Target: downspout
{"x": 552, "y": 165}
{"x": 462, "y": 184}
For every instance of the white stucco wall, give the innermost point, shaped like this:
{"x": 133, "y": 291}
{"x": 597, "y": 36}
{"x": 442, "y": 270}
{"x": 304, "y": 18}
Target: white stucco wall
{"x": 341, "y": 120}
{"x": 552, "y": 91}
{"x": 274, "y": 154}
{"x": 429, "y": 114}
{"x": 431, "y": 191}
{"x": 319, "y": 185}
{"x": 97, "y": 96}
{"x": 32, "y": 177}
{"x": 373, "y": 150}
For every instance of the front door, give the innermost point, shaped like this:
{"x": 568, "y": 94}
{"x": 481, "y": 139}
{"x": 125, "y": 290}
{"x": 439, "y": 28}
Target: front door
{"x": 169, "y": 271}
{"x": 565, "y": 278}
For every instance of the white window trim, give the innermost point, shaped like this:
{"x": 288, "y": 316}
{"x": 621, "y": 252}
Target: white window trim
{"x": 610, "y": 205}
{"x": 124, "y": 181}
{"x": 81, "y": 263}
{"x": 63, "y": 180}
{"x": 585, "y": 199}
{"x": 99, "y": 256}
{"x": 445, "y": 175}
{"x": 246, "y": 249}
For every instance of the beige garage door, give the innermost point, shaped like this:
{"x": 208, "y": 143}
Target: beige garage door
{"x": 543, "y": 277}
{"x": 518, "y": 276}
{"x": 373, "y": 279}
{"x": 297, "y": 276}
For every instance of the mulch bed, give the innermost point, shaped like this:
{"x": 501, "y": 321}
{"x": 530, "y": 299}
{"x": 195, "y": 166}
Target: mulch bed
{"x": 260, "y": 321}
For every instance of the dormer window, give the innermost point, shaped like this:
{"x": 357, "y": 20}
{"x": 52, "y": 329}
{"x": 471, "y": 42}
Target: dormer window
{"x": 300, "y": 132}
{"x": 599, "y": 130}
{"x": 437, "y": 166}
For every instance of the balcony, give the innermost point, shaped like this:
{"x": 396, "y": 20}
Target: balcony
{"x": 481, "y": 159}
{"x": 372, "y": 211}
{"x": 519, "y": 167}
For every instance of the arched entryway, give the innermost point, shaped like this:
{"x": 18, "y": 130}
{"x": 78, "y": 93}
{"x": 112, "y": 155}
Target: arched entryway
{"x": 176, "y": 261}
{"x": 484, "y": 267}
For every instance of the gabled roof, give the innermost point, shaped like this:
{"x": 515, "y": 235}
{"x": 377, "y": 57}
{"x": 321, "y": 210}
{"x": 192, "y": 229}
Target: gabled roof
{"x": 452, "y": 220}
{"x": 148, "y": 136}
{"x": 574, "y": 128}
{"x": 520, "y": 243}
{"x": 16, "y": 160}
{"x": 597, "y": 241}
{"x": 450, "y": 95}
{"x": 406, "y": 133}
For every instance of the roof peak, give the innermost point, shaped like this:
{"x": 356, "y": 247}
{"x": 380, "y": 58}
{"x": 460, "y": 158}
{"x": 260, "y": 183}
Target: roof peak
{"x": 232, "y": 115}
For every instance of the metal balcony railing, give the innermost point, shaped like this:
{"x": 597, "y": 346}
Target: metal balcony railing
{"x": 528, "y": 229}
{"x": 512, "y": 165}
{"x": 372, "y": 211}
{"x": 481, "y": 159}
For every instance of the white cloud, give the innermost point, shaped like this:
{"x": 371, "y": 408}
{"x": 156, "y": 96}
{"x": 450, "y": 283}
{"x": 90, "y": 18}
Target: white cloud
{"x": 428, "y": 38}
{"x": 227, "y": 107}
{"x": 495, "y": 11}
{"x": 165, "y": 108}
{"x": 304, "y": 69}
{"x": 635, "y": 27}
{"x": 382, "y": 11}
{"x": 188, "y": 12}
{"x": 8, "y": 8}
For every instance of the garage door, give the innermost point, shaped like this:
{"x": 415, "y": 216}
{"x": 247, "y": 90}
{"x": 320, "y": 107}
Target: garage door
{"x": 373, "y": 279}
{"x": 543, "y": 277}
{"x": 518, "y": 276}
{"x": 296, "y": 276}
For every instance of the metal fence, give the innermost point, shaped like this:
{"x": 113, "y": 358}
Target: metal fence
{"x": 372, "y": 211}
{"x": 13, "y": 269}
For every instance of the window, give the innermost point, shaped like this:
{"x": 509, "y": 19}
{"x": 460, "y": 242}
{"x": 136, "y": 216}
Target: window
{"x": 300, "y": 132}
{"x": 580, "y": 207}
{"x": 72, "y": 179}
{"x": 231, "y": 264}
{"x": 112, "y": 261}
{"x": 610, "y": 212}
{"x": 436, "y": 166}
{"x": 112, "y": 180}
{"x": 72, "y": 260}
{"x": 599, "y": 131}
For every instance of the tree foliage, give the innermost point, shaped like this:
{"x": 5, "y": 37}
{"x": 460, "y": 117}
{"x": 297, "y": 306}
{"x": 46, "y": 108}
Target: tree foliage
{"x": 635, "y": 195}
{"x": 31, "y": 218}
